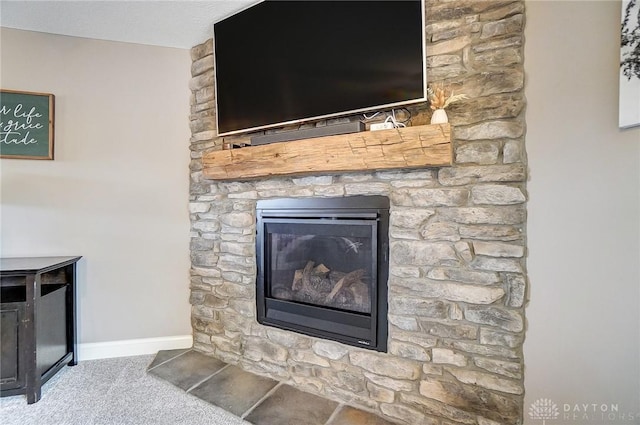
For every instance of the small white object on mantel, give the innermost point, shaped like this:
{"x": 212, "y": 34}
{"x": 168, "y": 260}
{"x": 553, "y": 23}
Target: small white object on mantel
{"x": 439, "y": 116}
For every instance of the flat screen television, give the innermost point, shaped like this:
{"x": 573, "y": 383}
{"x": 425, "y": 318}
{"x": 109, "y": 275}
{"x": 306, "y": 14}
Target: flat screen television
{"x": 285, "y": 62}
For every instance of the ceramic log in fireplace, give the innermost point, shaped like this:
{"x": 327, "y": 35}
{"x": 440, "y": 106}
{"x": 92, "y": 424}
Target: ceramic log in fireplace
{"x": 323, "y": 267}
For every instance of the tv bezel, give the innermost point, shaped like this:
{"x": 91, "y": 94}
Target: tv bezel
{"x": 386, "y": 106}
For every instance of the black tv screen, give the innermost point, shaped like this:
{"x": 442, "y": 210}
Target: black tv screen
{"x": 286, "y": 62}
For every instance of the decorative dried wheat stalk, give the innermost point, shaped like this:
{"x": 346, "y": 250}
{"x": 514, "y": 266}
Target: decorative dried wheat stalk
{"x": 438, "y": 98}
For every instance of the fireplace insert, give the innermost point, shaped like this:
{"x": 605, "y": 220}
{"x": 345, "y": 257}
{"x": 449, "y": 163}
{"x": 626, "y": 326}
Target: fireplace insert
{"x": 323, "y": 267}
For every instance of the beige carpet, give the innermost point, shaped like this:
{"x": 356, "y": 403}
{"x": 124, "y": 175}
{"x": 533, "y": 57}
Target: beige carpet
{"x": 112, "y": 391}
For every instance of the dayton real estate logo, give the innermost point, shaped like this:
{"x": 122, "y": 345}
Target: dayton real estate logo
{"x": 544, "y": 409}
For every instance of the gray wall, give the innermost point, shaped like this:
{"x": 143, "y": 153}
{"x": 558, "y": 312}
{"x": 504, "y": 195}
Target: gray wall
{"x": 117, "y": 190}
{"x": 582, "y": 344}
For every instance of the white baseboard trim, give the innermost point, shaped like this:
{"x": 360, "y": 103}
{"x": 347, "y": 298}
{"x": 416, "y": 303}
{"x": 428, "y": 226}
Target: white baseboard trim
{"x": 132, "y": 347}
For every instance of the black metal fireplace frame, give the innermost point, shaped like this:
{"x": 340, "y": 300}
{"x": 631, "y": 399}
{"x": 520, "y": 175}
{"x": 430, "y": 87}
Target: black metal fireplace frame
{"x": 358, "y": 329}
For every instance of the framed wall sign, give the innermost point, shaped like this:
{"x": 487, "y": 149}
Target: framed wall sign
{"x": 629, "y": 109}
{"x": 26, "y": 125}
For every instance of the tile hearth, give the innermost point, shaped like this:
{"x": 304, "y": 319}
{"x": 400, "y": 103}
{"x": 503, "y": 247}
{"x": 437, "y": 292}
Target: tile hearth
{"x": 256, "y": 399}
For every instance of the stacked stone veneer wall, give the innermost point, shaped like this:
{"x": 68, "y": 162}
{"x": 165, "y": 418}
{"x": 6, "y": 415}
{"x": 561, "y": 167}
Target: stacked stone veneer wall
{"x": 457, "y": 245}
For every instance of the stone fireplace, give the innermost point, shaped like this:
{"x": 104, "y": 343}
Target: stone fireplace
{"x": 456, "y": 241}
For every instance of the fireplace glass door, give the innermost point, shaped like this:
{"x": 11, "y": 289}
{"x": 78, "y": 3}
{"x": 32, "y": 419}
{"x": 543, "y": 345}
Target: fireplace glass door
{"x": 319, "y": 272}
{"x": 328, "y": 265}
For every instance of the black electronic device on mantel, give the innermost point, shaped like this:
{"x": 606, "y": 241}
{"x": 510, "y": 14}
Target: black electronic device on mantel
{"x": 285, "y": 62}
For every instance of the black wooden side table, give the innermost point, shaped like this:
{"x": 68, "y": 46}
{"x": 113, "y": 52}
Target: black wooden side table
{"x": 37, "y": 321}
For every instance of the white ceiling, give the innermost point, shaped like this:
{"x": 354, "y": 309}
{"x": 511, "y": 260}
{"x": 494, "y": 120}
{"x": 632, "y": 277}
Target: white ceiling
{"x": 175, "y": 23}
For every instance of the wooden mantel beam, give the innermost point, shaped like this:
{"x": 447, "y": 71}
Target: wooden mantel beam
{"x": 410, "y": 147}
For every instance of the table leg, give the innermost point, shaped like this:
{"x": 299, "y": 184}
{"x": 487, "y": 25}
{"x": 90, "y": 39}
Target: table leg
{"x": 72, "y": 329}
{"x": 29, "y": 355}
